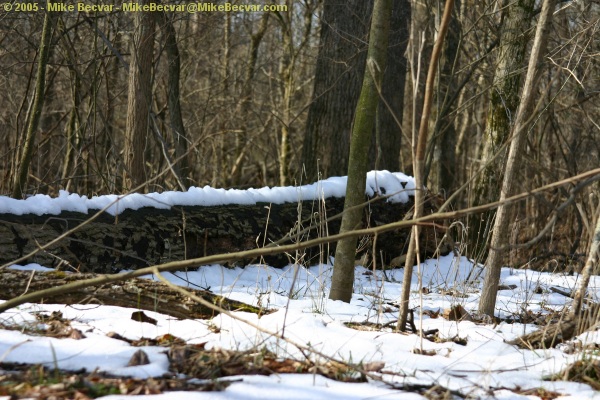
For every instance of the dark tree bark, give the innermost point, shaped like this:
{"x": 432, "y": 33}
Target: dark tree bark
{"x": 139, "y": 98}
{"x": 181, "y": 166}
{"x": 149, "y": 236}
{"x": 385, "y": 149}
{"x": 338, "y": 76}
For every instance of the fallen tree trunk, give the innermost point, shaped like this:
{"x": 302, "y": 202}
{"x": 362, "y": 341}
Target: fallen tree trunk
{"x": 148, "y": 236}
{"x": 135, "y": 293}
{"x": 560, "y": 331}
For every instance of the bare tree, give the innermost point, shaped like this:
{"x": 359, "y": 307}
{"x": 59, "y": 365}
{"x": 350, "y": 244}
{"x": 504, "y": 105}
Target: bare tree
{"x": 181, "y": 166}
{"x": 499, "y": 241}
{"x": 20, "y": 177}
{"x": 364, "y": 120}
{"x": 139, "y": 98}
{"x": 440, "y": 169}
{"x": 419, "y": 162}
{"x": 504, "y": 101}
{"x": 591, "y": 267}
{"x": 241, "y": 146}
{"x": 294, "y": 40}
{"x": 418, "y": 51}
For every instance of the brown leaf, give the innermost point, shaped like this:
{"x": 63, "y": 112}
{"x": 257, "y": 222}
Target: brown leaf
{"x": 425, "y": 352}
{"x": 432, "y": 313}
{"x": 58, "y": 328}
{"x": 168, "y": 340}
{"x": 80, "y": 396}
{"x": 178, "y": 355}
{"x": 76, "y": 334}
{"x": 457, "y": 313}
{"x": 374, "y": 366}
{"x": 140, "y": 316}
{"x": 138, "y": 358}
{"x": 115, "y": 335}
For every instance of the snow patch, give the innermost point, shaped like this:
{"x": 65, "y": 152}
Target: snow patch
{"x": 396, "y": 185}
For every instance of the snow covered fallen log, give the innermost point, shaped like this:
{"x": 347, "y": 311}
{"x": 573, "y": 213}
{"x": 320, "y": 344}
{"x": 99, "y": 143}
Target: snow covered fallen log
{"x": 140, "y": 230}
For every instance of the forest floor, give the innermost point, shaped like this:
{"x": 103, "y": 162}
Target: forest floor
{"x": 329, "y": 350}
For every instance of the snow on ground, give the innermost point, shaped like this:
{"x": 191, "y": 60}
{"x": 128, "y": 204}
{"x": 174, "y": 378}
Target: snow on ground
{"x": 485, "y": 367}
{"x": 396, "y": 185}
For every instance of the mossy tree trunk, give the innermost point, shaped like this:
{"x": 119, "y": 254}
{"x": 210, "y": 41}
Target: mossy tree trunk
{"x": 20, "y": 177}
{"x": 502, "y": 109}
{"x": 499, "y": 241}
{"x": 337, "y": 85}
{"x": 364, "y": 120}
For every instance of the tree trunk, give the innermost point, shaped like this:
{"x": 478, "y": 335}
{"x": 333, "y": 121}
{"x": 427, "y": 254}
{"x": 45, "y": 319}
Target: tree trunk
{"x": 20, "y": 177}
{"x": 500, "y": 235}
{"x": 134, "y": 293}
{"x": 246, "y": 102}
{"x": 286, "y": 76}
{"x": 419, "y": 164}
{"x": 441, "y": 166}
{"x": 181, "y": 165}
{"x": 502, "y": 109}
{"x": 418, "y": 51}
{"x": 340, "y": 66}
{"x": 364, "y": 120}
{"x": 591, "y": 267}
{"x": 139, "y": 98}
{"x": 73, "y": 134}
{"x": 385, "y": 152}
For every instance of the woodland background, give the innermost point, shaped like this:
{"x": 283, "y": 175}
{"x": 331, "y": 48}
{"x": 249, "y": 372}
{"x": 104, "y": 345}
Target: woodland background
{"x": 111, "y": 102}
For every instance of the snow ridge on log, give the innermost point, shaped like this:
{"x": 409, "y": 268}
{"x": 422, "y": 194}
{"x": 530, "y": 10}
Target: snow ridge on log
{"x": 395, "y": 184}
{"x": 145, "y": 236}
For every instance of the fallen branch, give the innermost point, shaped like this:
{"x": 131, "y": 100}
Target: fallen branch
{"x": 565, "y": 329}
{"x": 134, "y": 293}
